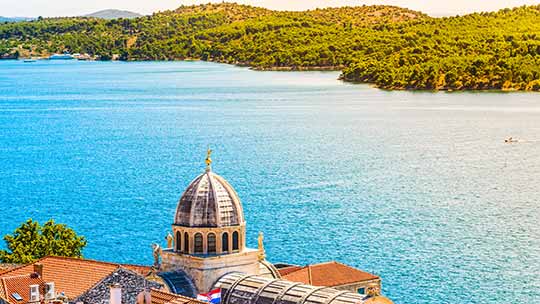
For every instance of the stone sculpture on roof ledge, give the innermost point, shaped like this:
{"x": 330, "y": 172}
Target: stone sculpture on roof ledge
{"x": 156, "y": 251}
{"x": 169, "y": 239}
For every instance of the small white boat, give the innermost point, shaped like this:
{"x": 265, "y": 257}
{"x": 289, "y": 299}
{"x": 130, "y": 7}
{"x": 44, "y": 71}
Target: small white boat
{"x": 511, "y": 140}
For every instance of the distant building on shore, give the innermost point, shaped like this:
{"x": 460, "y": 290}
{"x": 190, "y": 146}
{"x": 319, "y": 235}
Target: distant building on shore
{"x": 205, "y": 251}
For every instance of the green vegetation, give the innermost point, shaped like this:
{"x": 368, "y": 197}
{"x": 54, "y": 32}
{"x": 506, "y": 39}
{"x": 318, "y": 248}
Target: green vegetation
{"x": 391, "y": 47}
{"x": 479, "y": 51}
{"x": 31, "y": 241}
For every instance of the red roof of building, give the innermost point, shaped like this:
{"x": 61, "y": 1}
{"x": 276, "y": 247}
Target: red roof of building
{"x": 72, "y": 276}
{"x": 289, "y": 269}
{"x": 139, "y": 269}
{"x": 162, "y": 297}
{"x": 326, "y": 274}
{"x": 8, "y": 267}
{"x": 19, "y": 285}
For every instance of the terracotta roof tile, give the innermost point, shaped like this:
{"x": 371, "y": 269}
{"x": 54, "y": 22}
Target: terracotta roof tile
{"x": 289, "y": 269}
{"x": 73, "y": 276}
{"x": 20, "y": 284}
{"x": 141, "y": 270}
{"x": 328, "y": 274}
{"x": 162, "y": 297}
{"x": 8, "y": 267}
{"x": 301, "y": 275}
{"x": 3, "y": 295}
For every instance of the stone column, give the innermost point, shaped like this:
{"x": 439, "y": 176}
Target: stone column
{"x": 191, "y": 242}
{"x": 242, "y": 238}
{"x": 219, "y": 247}
{"x": 205, "y": 243}
{"x": 230, "y": 241}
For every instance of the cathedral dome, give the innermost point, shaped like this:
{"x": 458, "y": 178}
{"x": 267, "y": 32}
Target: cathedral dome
{"x": 209, "y": 201}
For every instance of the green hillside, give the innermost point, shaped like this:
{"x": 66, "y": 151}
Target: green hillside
{"x": 388, "y": 46}
{"x": 479, "y": 51}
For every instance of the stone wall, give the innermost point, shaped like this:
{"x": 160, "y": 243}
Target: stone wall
{"x": 359, "y": 285}
{"x": 205, "y": 271}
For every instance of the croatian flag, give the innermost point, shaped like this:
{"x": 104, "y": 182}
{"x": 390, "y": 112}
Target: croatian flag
{"x": 214, "y": 296}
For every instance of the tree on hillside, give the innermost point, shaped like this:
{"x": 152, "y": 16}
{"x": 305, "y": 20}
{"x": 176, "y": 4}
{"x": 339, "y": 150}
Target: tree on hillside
{"x": 31, "y": 241}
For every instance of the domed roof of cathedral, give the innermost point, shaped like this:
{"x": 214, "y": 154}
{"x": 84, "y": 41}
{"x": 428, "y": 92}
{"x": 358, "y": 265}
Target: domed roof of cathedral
{"x": 209, "y": 201}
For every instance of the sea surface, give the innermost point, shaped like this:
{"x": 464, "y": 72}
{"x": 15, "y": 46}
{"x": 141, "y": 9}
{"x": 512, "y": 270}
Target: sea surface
{"x": 418, "y": 188}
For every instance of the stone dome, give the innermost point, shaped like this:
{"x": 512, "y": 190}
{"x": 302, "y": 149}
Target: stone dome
{"x": 209, "y": 201}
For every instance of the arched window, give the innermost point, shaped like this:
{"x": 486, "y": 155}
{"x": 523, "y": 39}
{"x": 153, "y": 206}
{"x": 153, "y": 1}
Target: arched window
{"x": 235, "y": 240}
{"x": 178, "y": 241}
{"x": 211, "y": 243}
{"x": 198, "y": 243}
{"x": 186, "y": 242}
{"x": 225, "y": 242}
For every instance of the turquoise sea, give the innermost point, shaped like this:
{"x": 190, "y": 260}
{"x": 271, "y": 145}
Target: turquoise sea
{"x": 418, "y": 188}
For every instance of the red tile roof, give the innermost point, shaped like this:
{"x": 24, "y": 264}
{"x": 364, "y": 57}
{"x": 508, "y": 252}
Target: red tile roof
{"x": 72, "y": 276}
{"x": 8, "y": 267}
{"x": 289, "y": 269}
{"x": 326, "y": 274}
{"x": 162, "y": 297}
{"x": 141, "y": 270}
{"x": 21, "y": 285}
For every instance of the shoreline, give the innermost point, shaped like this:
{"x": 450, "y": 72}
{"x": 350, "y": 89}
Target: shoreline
{"x": 299, "y": 69}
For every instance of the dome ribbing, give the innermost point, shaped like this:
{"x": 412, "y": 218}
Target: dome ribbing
{"x": 209, "y": 201}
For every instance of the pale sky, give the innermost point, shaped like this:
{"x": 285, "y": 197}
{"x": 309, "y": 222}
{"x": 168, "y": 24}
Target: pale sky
{"x": 49, "y": 8}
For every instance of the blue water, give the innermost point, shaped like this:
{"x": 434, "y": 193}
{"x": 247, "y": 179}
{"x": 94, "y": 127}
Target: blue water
{"x": 418, "y": 188}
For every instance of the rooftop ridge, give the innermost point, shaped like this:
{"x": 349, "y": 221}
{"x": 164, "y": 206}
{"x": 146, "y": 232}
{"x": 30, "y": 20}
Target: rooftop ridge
{"x": 54, "y": 257}
{"x": 3, "y": 274}
{"x": 135, "y": 265}
{"x": 4, "y": 288}
{"x": 84, "y": 260}
{"x": 331, "y": 273}
{"x": 325, "y": 263}
{"x": 16, "y": 276}
{"x": 163, "y": 292}
{"x": 104, "y": 278}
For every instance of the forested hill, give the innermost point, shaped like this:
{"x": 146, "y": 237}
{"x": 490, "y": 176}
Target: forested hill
{"x": 391, "y": 47}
